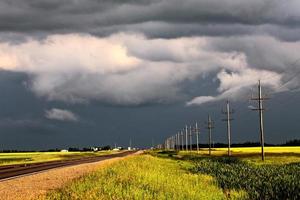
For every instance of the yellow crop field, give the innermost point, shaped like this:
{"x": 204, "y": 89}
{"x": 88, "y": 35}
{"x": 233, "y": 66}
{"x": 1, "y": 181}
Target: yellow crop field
{"x": 34, "y": 157}
{"x": 253, "y": 154}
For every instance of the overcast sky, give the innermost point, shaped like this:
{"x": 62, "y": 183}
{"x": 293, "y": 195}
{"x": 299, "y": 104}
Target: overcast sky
{"x": 84, "y": 73}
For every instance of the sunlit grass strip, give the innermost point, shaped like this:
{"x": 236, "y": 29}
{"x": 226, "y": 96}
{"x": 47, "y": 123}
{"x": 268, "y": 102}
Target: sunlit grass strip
{"x": 142, "y": 177}
{"x": 34, "y": 157}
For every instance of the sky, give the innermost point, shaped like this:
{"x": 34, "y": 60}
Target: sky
{"x": 91, "y": 73}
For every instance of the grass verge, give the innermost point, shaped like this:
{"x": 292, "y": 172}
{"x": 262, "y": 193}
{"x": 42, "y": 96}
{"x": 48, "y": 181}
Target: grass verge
{"x": 143, "y": 177}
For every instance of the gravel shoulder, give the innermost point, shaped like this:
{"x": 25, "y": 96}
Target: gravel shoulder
{"x": 35, "y": 186}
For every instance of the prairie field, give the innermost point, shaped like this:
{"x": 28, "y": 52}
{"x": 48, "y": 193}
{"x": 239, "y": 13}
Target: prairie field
{"x": 34, "y": 157}
{"x": 192, "y": 175}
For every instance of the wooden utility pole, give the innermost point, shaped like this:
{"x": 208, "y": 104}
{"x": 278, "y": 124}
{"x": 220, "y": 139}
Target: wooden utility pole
{"x": 186, "y": 138}
{"x": 191, "y": 139}
{"x": 173, "y": 142}
{"x": 228, "y": 119}
{"x": 210, "y": 126}
{"x": 197, "y": 131}
{"x": 178, "y": 141}
{"x": 260, "y": 110}
{"x": 182, "y": 140}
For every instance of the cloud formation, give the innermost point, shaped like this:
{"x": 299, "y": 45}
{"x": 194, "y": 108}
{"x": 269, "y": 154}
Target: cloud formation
{"x": 130, "y": 69}
{"x": 121, "y": 69}
{"x": 61, "y": 115}
{"x": 154, "y": 18}
{"x": 139, "y": 52}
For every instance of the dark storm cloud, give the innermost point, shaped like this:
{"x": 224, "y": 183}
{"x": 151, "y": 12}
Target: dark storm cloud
{"x": 133, "y": 79}
{"x": 164, "y": 18}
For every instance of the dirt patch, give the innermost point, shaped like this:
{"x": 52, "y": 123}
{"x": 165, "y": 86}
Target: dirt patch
{"x": 37, "y": 185}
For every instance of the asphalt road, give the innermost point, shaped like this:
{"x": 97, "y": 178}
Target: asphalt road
{"x": 12, "y": 171}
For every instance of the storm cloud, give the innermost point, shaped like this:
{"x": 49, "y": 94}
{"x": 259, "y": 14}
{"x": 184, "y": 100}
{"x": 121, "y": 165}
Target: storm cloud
{"x": 120, "y": 58}
{"x": 131, "y": 69}
{"x": 154, "y": 18}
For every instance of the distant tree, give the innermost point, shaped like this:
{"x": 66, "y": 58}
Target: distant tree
{"x": 107, "y": 147}
{"x": 73, "y": 149}
{"x": 87, "y": 149}
{"x": 294, "y": 142}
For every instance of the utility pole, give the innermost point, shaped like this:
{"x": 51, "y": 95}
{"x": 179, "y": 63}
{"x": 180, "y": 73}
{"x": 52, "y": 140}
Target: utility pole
{"x": 166, "y": 145}
{"x": 210, "y": 126}
{"x": 260, "y": 109}
{"x": 228, "y": 119}
{"x": 181, "y": 133}
{"x": 197, "y": 131}
{"x": 191, "y": 139}
{"x": 173, "y": 142}
{"x": 186, "y": 138}
{"x": 177, "y": 142}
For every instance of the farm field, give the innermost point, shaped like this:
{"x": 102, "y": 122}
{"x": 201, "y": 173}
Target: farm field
{"x": 34, "y": 157}
{"x": 188, "y": 175}
{"x": 252, "y": 154}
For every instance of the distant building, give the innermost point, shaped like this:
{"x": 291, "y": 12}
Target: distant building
{"x": 117, "y": 149}
{"x": 64, "y": 150}
{"x": 95, "y": 148}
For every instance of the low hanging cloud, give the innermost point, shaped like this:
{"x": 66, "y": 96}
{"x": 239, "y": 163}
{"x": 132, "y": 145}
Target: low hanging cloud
{"x": 131, "y": 69}
{"x": 236, "y": 85}
{"x": 274, "y": 62}
{"x": 61, "y": 115}
{"x": 122, "y": 69}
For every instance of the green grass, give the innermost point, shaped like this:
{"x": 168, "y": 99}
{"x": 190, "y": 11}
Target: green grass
{"x": 277, "y": 178}
{"x": 143, "y": 177}
{"x": 259, "y": 181}
{"x": 191, "y": 175}
{"x": 34, "y": 157}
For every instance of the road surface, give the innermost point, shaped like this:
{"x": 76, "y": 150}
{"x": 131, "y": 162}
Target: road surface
{"x": 13, "y": 171}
